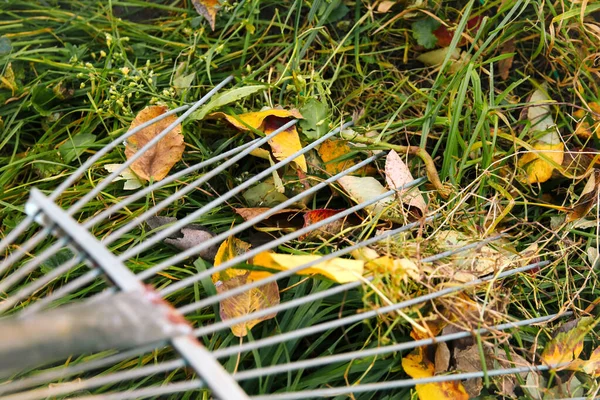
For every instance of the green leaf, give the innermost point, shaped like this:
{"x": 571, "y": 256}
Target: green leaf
{"x": 315, "y": 123}
{"x": 5, "y": 46}
{"x": 222, "y": 99}
{"x": 75, "y": 146}
{"x": 184, "y": 82}
{"x": 263, "y": 195}
{"x": 423, "y": 32}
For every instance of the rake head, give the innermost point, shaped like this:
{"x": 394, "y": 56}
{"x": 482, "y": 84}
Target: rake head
{"x": 99, "y": 341}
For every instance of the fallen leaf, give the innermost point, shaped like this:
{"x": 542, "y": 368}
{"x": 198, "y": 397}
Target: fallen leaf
{"x": 340, "y": 270}
{"x": 507, "y": 383}
{"x": 540, "y": 115}
{"x": 208, "y": 9}
{"x": 442, "y": 358}
{"x": 399, "y": 270}
{"x": 536, "y": 166}
{"x": 285, "y": 143}
{"x": 336, "y": 156}
{"x": 567, "y": 344}
{"x": 363, "y": 189}
{"x": 252, "y": 300}
{"x": 131, "y": 180}
{"x": 591, "y": 366}
{"x": 385, "y": 6}
{"x": 588, "y": 125}
{"x": 398, "y": 174}
{"x": 286, "y": 219}
{"x": 468, "y": 360}
{"x": 588, "y": 198}
{"x": 437, "y": 57}
{"x": 417, "y": 366}
{"x": 223, "y": 98}
{"x": 505, "y": 64}
{"x": 8, "y": 79}
{"x": 256, "y": 299}
{"x": 155, "y": 163}
{"x": 189, "y": 236}
{"x": 444, "y": 35}
{"x": 315, "y": 123}
{"x": 264, "y": 194}
{"x": 326, "y": 231}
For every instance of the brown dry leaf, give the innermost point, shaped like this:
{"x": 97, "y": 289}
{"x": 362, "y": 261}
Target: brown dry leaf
{"x": 507, "y": 383}
{"x": 588, "y": 198}
{"x": 340, "y": 270}
{"x": 417, "y": 366}
{"x": 385, "y": 6}
{"x": 255, "y": 299}
{"x": 442, "y": 358}
{"x": 505, "y": 64}
{"x": 468, "y": 360}
{"x": 588, "y": 126}
{"x": 285, "y": 143}
{"x": 331, "y": 149}
{"x": 288, "y": 218}
{"x": 156, "y": 163}
{"x": 566, "y": 346}
{"x": 398, "y": 174}
{"x": 208, "y": 9}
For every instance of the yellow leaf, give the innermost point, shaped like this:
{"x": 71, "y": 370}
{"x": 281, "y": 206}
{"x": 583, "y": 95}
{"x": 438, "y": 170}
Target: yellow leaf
{"x": 592, "y": 366}
{"x": 338, "y": 269}
{"x": 584, "y": 126}
{"x": 332, "y": 149}
{"x": 284, "y": 144}
{"x": 256, "y": 299}
{"x": 567, "y": 344}
{"x": 398, "y": 269}
{"x": 208, "y": 9}
{"x": 8, "y": 79}
{"x": 417, "y": 366}
{"x": 537, "y": 168}
{"x": 230, "y": 248}
{"x": 155, "y": 163}
{"x": 252, "y": 300}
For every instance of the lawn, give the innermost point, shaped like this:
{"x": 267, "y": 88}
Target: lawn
{"x": 495, "y": 104}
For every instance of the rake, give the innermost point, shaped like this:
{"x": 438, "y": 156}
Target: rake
{"x": 61, "y": 346}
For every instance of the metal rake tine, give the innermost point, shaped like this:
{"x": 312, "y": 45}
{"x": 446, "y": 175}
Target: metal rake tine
{"x": 181, "y": 223}
{"x": 54, "y": 374}
{"x": 282, "y": 274}
{"x": 403, "y": 383}
{"x": 372, "y": 352}
{"x": 78, "y": 385}
{"x": 267, "y": 246}
{"x": 108, "y": 180}
{"x": 283, "y": 337}
{"x": 29, "y": 267}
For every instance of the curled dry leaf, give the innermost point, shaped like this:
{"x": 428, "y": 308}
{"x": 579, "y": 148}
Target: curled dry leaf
{"x": 155, "y": 163}
{"x": 416, "y": 365}
{"x": 208, "y": 9}
{"x": 442, "y": 358}
{"x": 505, "y": 64}
{"x": 397, "y": 174}
{"x": 335, "y": 155}
{"x": 189, "y": 236}
{"x": 285, "y": 143}
{"x": 469, "y": 360}
{"x": 588, "y": 198}
{"x": 340, "y": 270}
{"x": 255, "y": 299}
{"x": 567, "y": 344}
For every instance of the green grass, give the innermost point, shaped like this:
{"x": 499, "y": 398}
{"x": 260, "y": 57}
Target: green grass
{"x": 69, "y": 60}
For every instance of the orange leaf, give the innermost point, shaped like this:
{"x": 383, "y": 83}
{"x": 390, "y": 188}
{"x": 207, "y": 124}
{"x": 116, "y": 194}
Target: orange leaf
{"x": 155, "y": 163}
{"x": 208, "y": 9}
{"x": 328, "y": 230}
{"x": 330, "y": 150}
